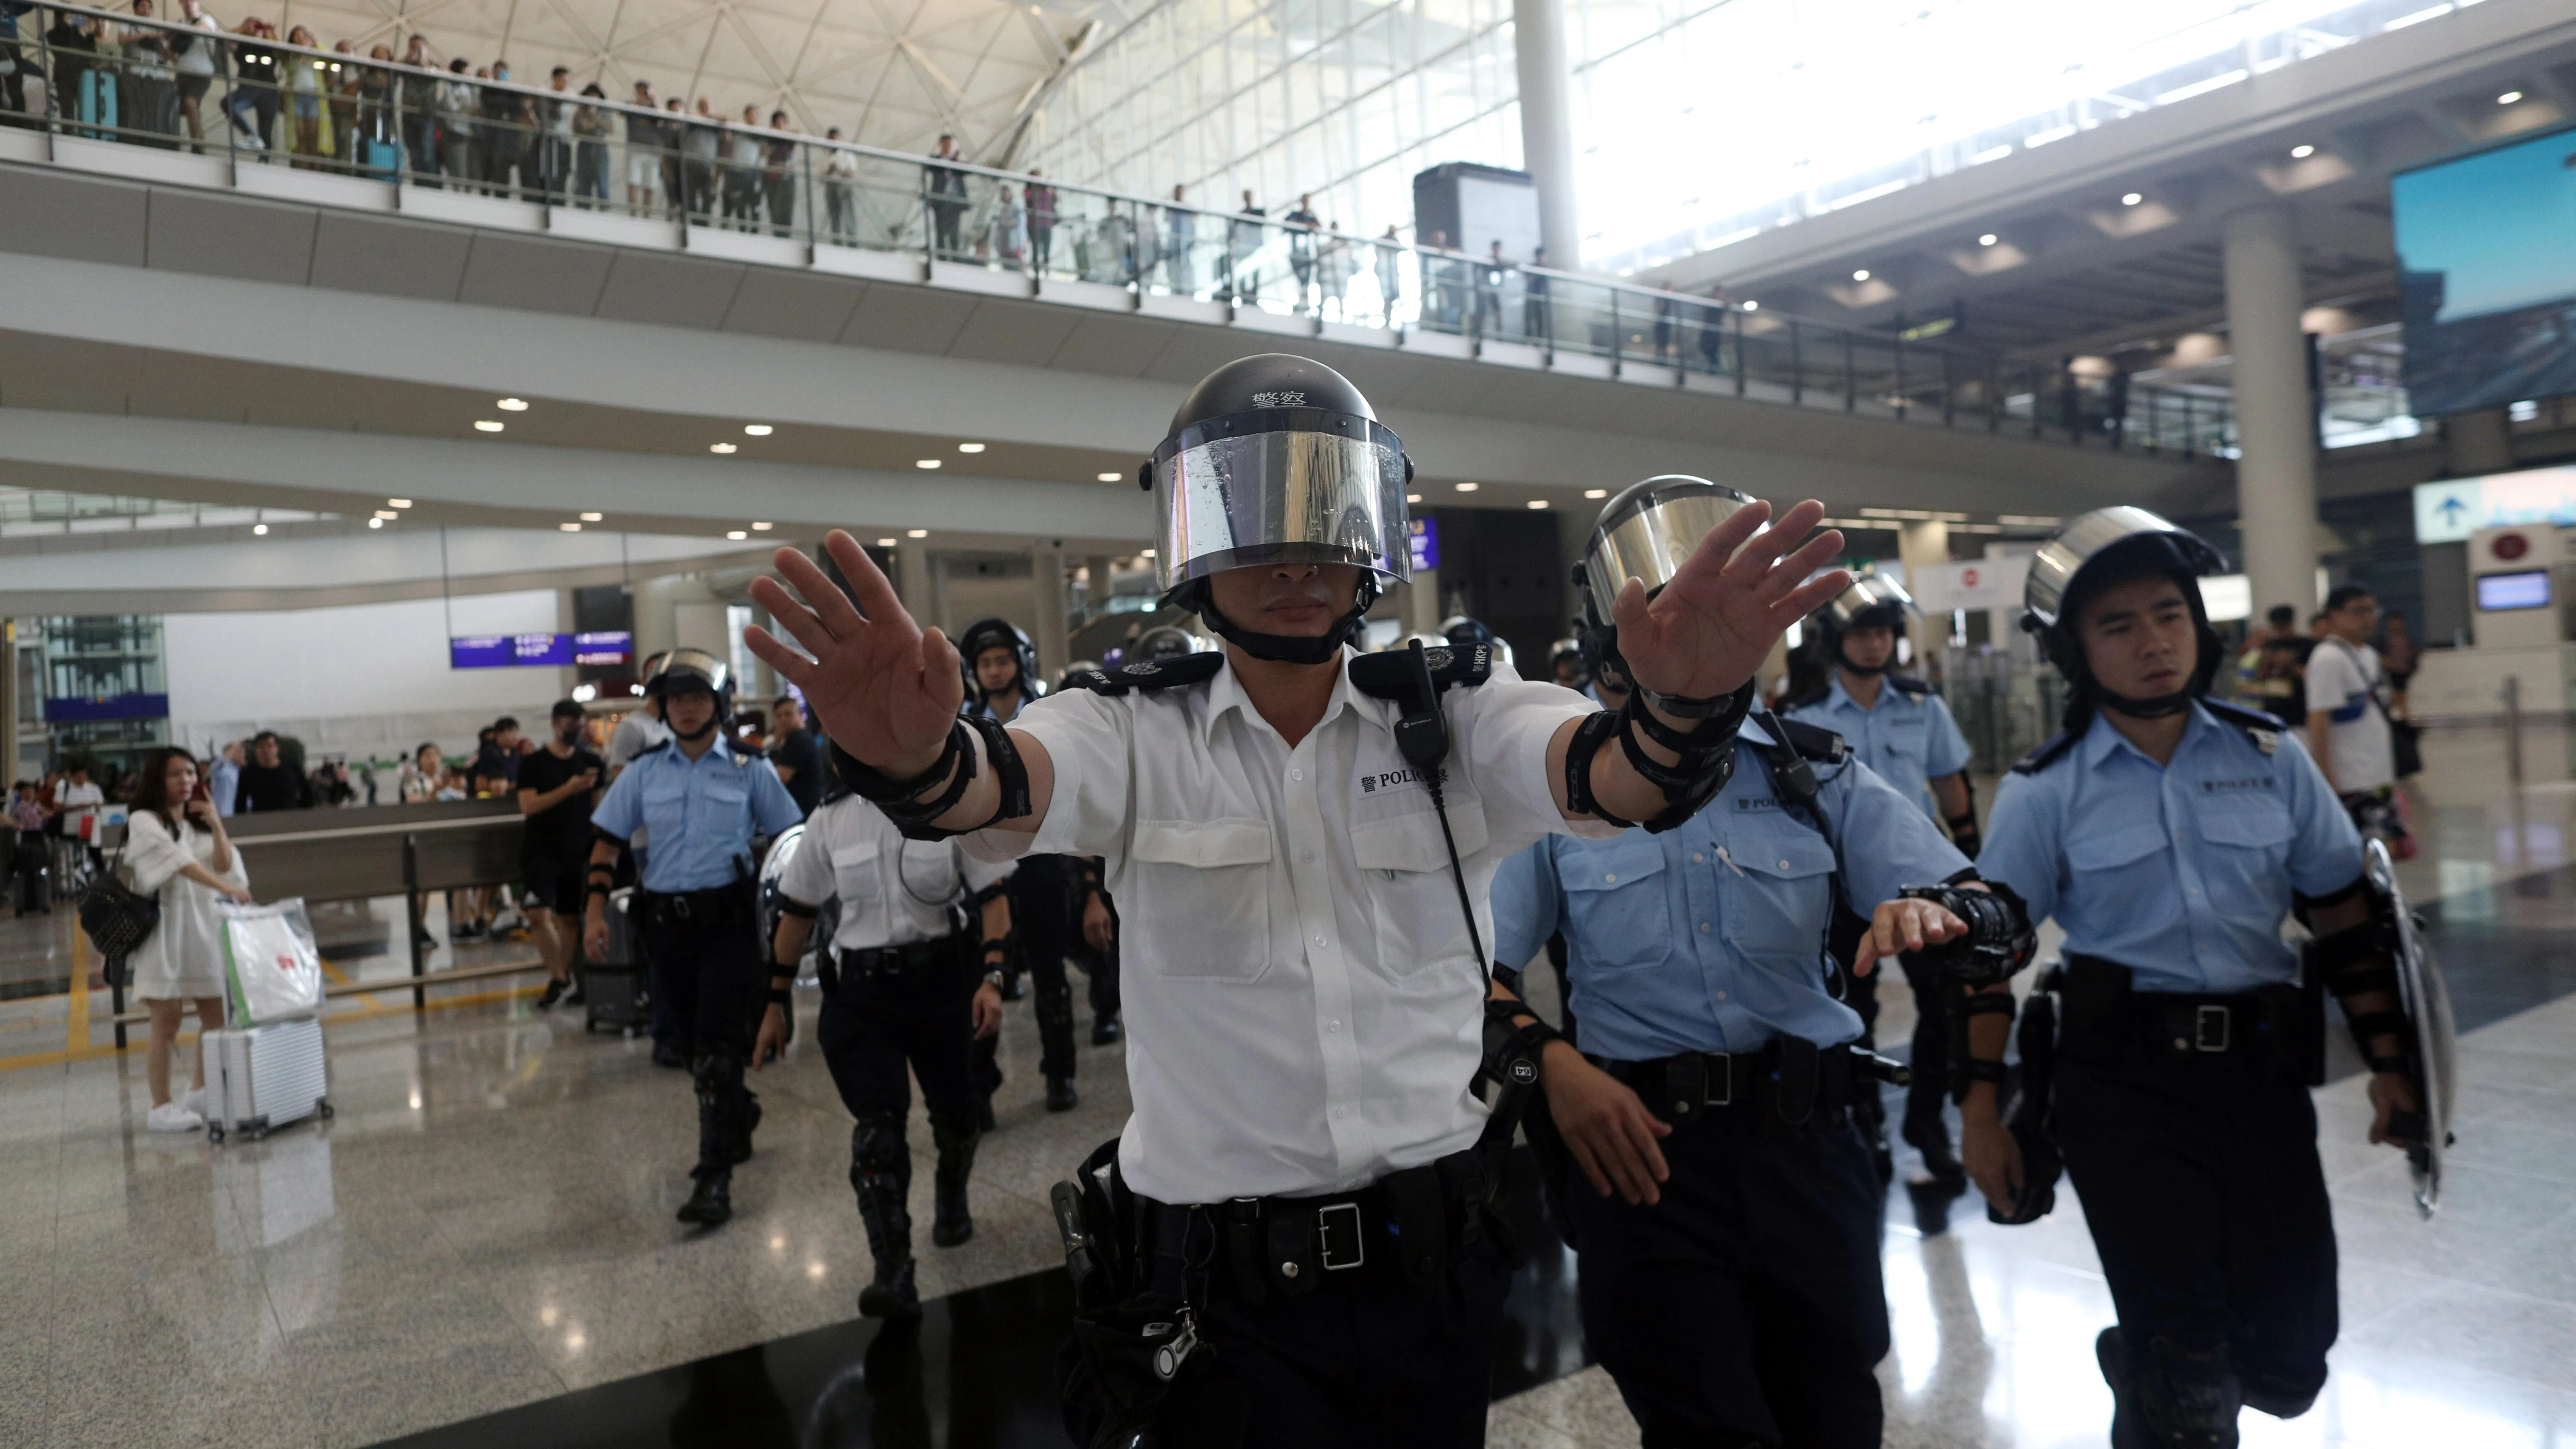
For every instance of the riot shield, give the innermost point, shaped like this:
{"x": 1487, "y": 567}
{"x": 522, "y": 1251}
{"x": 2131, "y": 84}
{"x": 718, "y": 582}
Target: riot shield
{"x": 2434, "y": 1051}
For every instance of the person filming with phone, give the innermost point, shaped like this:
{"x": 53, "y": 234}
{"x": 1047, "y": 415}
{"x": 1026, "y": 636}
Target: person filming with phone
{"x": 177, "y": 852}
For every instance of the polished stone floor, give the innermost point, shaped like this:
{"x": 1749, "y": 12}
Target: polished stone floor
{"x": 479, "y": 1248}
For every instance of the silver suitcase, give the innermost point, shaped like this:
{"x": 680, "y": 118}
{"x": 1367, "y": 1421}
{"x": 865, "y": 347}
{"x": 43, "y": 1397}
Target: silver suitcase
{"x": 261, "y": 1078}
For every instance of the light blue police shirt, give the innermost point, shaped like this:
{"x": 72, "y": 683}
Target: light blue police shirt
{"x": 1909, "y": 739}
{"x": 701, "y": 814}
{"x": 2180, "y": 872}
{"x": 1711, "y": 937}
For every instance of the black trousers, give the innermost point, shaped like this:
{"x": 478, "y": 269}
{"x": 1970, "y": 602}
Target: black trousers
{"x": 1367, "y": 1360}
{"x": 706, "y": 969}
{"x": 1748, "y": 1302}
{"x": 2201, "y": 1184}
{"x": 872, "y": 1027}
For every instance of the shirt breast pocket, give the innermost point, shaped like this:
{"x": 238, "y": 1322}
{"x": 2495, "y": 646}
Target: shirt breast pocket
{"x": 2250, "y": 841}
{"x": 2110, "y": 860}
{"x": 1783, "y": 892}
{"x": 1211, "y": 879}
{"x": 1411, "y": 896}
{"x": 854, "y": 875}
{"x": 1616, "y": 902}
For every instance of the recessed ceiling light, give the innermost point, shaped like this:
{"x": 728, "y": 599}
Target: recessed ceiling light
{"x": 762, "y": 527}
{"x": 487, "y": 425}
{"x": 512, "y": 405}
{"x": 260, "y": 528}
{"x": 398, "y": 503}
{"x": 1412, "y": 497}
{"x": 1861, "y": 275}
{"x": 590, "y": 518}
{"x": 916, "y": 533}
{"x": 1145, "y": 553}
{"x": 2508, "y": 98}
{"x": 1752, "y": 306}
{"x": 1989, "y": 239}
{"x": 757, "y": 430}
{"x": 925, "y": 462}
{"x": 2302, "y": 153}
{"x": 885, "y": 543}
{"x": 736, "y": 533}
{"x": 970, "y": 447}
{"x": 375, "y": 523}
{"x": 2133, "y": 198}
{"x": 569, "y": 527}
{"x": 1111, "y": 477}
{"x": 1467, "y": 487}
{"x": 1596, "y": 492}
{"x": 1538, "y": 503}
{"x": 721, "y": 447}
{"x": 383, "y": 514}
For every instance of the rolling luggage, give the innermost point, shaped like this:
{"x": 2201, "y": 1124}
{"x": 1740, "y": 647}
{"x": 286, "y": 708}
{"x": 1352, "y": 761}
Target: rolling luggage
{"x": 616, "y": 992}
{"x": 261, "y": 1078}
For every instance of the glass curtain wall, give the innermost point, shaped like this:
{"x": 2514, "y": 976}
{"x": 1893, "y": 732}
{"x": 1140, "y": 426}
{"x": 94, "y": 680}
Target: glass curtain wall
{"x": 1343, "y": 100}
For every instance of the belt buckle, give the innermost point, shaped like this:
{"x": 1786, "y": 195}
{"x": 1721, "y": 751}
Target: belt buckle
{"x": 2210, "y": 1027}
{"x": 1717, "y": 1065}
{"x": 1324, "y": 1236}
{"x": 680, "y": 906}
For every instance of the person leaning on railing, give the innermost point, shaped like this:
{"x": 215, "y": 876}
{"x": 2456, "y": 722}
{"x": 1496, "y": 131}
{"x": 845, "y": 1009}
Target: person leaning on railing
{"x": 591, "y": 127}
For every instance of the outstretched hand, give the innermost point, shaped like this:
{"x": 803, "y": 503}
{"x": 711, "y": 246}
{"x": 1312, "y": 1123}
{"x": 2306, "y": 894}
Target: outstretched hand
{"x": 881, "y": 686}
{"x": 1709, "y": 628}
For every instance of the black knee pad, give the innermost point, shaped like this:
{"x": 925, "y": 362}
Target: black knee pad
{"x": 2187, "y": 1398}
{"x": 950, "y": 1133}
{"x": 877, "y": 1146}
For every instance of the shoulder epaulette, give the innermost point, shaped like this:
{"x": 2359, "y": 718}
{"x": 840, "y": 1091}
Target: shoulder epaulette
{"x": 1389, "y": 675}
{"x": 1815, "y": 696}
{"x": 1150, "y": 675}
{"x": 2047, "y": 753}
{"x": 652, "y": 749}
{"x": 1813, "y": 741}
{"x": 2261, "y": 727}
{"x": 1906, "y": 684}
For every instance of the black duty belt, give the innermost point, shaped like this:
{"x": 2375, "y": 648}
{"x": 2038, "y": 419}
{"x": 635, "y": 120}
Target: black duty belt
{"x": 918, "y": 957}
{"x": 715, "y": 903}
{"x": 1409, "y": 1225}
{"x": 2274, "y": 1024}
{"x": 1793, "y": 1077}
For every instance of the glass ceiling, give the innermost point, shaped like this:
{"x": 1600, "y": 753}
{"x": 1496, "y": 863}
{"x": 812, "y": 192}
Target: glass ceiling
{"x": 1782, "y": 110}
{"x": 38, "y": 512}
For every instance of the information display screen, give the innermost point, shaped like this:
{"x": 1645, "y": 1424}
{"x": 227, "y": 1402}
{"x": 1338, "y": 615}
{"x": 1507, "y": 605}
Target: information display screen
{"x": 2513, "y": 591}
{"x": 508, "y": 651}
{"x": 2486, "y": 276}
{"x": 1425, "y": 543}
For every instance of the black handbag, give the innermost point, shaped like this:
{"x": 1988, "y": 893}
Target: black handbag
{"x": 118, "y": 918}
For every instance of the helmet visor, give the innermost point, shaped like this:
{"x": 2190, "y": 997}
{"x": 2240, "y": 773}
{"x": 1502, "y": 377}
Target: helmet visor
{"x": 1648, "y": 532}
{"x": 1871, "y": 599}
{"x": 2055, "y": 569}
{"x": 1248, "y": 494}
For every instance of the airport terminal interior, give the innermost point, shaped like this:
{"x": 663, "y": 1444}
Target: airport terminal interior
{"x": 399, "y": 398}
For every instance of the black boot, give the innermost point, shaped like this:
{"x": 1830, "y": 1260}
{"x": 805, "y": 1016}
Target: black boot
{"x": 950, "y": 1223}
{"x": 1931, "y": 1137}
{"x": 1060, "y": 1095}
{"x": 881, "y": 1175}
{"x": 720, "y": 1140}
{"x": 1105, "y": 1029}
{"x": 750, "y": 1124}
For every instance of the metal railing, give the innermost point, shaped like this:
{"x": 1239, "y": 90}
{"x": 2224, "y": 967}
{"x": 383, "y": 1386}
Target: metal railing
{"x": 96, "y": 75}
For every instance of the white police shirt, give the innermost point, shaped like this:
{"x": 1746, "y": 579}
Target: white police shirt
{"x": 893, "y": 891}
{"x": 1303, "y": 1009}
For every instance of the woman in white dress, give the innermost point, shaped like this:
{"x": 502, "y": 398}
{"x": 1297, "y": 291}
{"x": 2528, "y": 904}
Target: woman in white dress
{"x": 177, "y": 851}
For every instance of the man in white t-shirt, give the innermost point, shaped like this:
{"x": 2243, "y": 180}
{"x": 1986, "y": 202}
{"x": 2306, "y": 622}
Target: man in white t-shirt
{"x": 2347, "y": 712}
{"x": 76, "y": 800}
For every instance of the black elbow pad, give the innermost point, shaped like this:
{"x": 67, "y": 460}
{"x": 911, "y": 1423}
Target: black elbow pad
{"x": 2000, "y": 939}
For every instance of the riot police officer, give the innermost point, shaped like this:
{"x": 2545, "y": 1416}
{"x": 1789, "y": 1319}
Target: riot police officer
{"x": 702, "y": 804}
{"x": 907, "y": 979}
{"x": 1727, "y": 1212}
{"x": 1056, "y": 904}
{"x": 1900, "y": 728}
{"x": 2169, "y": 834}
{"x": 1301, "y": 839}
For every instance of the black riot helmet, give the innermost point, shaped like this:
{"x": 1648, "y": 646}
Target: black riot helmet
{"x": 1278, "y": 459}
{"x": 694, "y": 671}
{"x": 1646, "y": 533}
{"x": 1163, "y": 641}
{"x": 2104, "y": 547}
{"x": 1872, "y": 602}
{"x": 1464, "y": 630}
{"x": 998, "y": 633}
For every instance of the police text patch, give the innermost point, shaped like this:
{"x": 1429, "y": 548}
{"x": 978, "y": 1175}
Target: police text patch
{"x": 1390, "y": 779}
{"x": 2251, "y": 782}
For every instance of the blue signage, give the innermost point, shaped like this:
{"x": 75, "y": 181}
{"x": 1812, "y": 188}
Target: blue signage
{"x": 1426, "y": 544}
{"x": 88, "y": 709}
{"x": 507, "y": 651}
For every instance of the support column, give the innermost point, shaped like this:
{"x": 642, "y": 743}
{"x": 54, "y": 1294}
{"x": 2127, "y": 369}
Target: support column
{"x": 2276, "y": 474}
{"x": 9, "y": 766}
{"x": 912, "y": 581}
{"x": 2475, "y": 443}
{"x": 1047, "y": 611}
{"x": 1547, "y": 124}
{"x": 1923, "y": 545}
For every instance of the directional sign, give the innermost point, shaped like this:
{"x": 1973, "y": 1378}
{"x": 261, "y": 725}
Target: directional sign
{"x": 2452, "y": 509}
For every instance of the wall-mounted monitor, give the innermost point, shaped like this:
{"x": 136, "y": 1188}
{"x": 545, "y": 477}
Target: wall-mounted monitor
{"x": 2486, "y": 276}
{"x": 506, "y": 651}
{"x": 2526, "y": 590}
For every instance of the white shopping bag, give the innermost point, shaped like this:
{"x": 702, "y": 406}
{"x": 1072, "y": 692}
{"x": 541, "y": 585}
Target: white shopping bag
{"x": 270, "y": 963}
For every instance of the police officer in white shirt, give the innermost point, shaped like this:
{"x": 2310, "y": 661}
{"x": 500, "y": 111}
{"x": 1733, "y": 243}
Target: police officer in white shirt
{"x": 1295, "y": 855}
{"x": 902, "y": 985}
